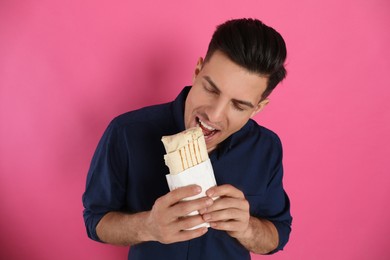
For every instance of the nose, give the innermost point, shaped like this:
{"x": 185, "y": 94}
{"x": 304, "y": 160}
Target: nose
{"x": 217, "y": 111}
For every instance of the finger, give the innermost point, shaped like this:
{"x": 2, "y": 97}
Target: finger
{"x": 186, "y": 235}
{"x": 225, "y": 190}
{"x": 231, "y": 226}
{"x": 183, "y": 235}
{"x": 180, "y": 193}
{"x": 228, "y": 202}
{"x": 188, "y": 222}
{"x": 226, "y": 215}
{"x": 183, "y": 208}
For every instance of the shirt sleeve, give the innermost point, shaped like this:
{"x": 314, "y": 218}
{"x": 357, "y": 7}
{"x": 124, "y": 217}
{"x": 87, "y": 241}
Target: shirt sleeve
{"x": 106, "y": 181}
{"x": 276, "y": 205}
{"x": 279, "y": 211}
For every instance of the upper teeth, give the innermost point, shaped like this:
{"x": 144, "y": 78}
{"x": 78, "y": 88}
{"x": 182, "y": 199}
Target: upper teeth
{"x": 206, "y": 126}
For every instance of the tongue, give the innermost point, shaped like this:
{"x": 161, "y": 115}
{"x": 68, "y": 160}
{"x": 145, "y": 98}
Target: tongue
{"x": 206, "y": 132}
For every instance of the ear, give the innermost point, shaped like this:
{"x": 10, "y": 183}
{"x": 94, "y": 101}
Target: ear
{"x": 198, "y": 68}
{"x": 260, "y": 106}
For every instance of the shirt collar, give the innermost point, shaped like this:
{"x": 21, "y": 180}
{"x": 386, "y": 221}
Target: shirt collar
{"x": 178, "y": 108}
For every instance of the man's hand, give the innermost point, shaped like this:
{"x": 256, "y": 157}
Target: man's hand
{"x": 230, "y": 212}
{"x": 167, "y": 221}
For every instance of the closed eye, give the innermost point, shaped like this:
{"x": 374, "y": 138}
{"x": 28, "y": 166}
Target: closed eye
{"x": 237, "y": 107}
{"x": 210, "y": 89}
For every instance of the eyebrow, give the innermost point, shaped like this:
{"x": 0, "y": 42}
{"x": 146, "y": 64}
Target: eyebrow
{"x": 237, "y": 101}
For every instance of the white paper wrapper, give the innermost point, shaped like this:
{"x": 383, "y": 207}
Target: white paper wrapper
{"x": 201, "y": 174}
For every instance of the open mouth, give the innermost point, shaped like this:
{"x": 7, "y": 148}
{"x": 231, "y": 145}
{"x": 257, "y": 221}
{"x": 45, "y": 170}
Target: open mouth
{"x": 208, "y": 131}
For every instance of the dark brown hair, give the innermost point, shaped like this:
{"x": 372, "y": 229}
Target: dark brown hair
{"x": 254, "y": 46}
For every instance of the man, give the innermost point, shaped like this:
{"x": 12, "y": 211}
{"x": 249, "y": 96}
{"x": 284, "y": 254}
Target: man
{"x": 127, "y": 200}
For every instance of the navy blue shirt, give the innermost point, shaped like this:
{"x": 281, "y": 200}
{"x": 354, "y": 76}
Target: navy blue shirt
{"x": 127, "y": 173}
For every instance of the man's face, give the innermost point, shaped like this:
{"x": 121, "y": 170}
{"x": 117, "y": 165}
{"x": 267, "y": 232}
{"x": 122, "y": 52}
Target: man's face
{"x": 222, "y": 99}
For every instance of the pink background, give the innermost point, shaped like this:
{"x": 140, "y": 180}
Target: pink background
{"x": 68, "y": 67}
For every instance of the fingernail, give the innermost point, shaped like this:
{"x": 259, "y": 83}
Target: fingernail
{"x": 201, "y": 211}
{"x": 198, "y": 189}
{"x": 210, "y": 193}
{"x": 209, "y": 202}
